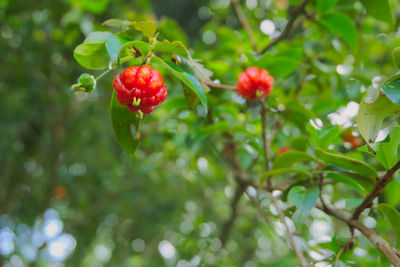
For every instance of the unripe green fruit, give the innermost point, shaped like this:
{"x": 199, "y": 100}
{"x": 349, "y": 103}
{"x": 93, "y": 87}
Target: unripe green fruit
{"x": 87, "y": 82}
{"x": 396, "y": 56}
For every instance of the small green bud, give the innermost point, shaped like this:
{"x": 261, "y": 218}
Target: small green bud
{"x": 396, "y": 56}
{"x": 86, "y": 83}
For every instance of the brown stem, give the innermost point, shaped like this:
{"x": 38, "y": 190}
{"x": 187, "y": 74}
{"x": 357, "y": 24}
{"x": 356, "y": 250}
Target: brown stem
{"x": 245, "y": 23}
{"x": 289, "y": 26}
{"x": 219, "y": 86}
{"x": 379, "y": 186}
{"x": 228, "y": 225}
{"x": 391, "y": 253}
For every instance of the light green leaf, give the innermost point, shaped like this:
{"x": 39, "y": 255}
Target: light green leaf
{"x": 289, "y": 158}
{"x": 371, "y": 115}
{"x": 391, "y": 192}
{"x": 122, "y": 119}
{"x": 166, "y": 46}
{"x": 148, "y": 28}
{"x": 379, "y": 9}
{"x": 117, "y": 23}
{"x": 94, "y": 6}
{"x": 346, "y": 163}
{"x": 387, "y": 152}
{"x": 92, "y": 53}
{"x": 325, "y": 5}
{"x": 113, "y": 45}
{"x": 188, "y": 79}
{"x": 396, "y": 56}
{"x": 304, "y": 200}
{"x": 391, "y": 89}
{"x": 394, "y": 218}
{"x": 341, "y": 25}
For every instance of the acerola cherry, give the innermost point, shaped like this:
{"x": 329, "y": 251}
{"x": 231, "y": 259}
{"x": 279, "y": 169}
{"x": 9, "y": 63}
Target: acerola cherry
{"x": 140, "y": 88}
{"x": 254, "y": 83}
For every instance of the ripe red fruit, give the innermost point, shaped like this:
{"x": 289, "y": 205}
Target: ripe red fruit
{"x": 140, "y": 88}
{"x": 254, "y": 83}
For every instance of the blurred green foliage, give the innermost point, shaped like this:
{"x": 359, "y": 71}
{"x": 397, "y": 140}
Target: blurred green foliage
{"x": 69, "y": 195}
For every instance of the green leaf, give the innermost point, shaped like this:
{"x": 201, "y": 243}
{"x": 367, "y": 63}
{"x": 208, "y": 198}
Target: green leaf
{"x": 122, "y": 119}
{"x": 391, "y": 89}
{"x": 282, "y": 64}
{"x": 113, "y": 46}
{"x": 191, "y": 98}
{"x": 289, "y": 158}
{"x": 117, "y": 23}
{"x": 325, "y": 5}
{"x": 166, "y": 46}
{"x": 371, "y": 116}
{"x": 268, "y": 174}
{"x": 94, "y": 6}
{"x": 148, "y": 28}
{"x": 188, "y": 79}
{"x": 341, "y": 25}
{"x": 394, "y": 218}
{"x": 379, "y": 9}
{"x": 391, "y": 192}
{"x": 387, "y": 152}
{"x": 304, "y": 200}
{"x": 92, "y": 53}
{"x": 346, "y": 163}
{"x": 396, "y": 56}
{"x": 337, "y": 176}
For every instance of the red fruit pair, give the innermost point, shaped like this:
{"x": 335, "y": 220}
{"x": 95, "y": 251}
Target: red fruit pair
{"x": 140, "y": 88}
{"x": 254, "y": 83}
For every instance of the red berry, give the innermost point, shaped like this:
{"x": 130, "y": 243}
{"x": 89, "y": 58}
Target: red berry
{"x": 140, "y": 88}
{"x": 254, "y": 83}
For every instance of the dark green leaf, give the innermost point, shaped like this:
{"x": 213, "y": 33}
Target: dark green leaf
{"x": 325, "y": 5}
{"x": 341, "y": 25}
{"x": 394, "y": 218}
{"x": 391, "y": 88}
{"x": 346, "y": 163}
{"x": 289, "y": 158}
{"x": 396, "y": 56}
{"x": 122, "y": 119}
{"x": 379, "y": 9}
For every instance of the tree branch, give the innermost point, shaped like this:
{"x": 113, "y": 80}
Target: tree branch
{"x": 379, "y": 186}
{"x": 289, "y": 26}
{"x": 228, "y": 225}
{"x": 391, "y": 253}
{"x": 218, "y": 85}
{"x": 245, "y": 23}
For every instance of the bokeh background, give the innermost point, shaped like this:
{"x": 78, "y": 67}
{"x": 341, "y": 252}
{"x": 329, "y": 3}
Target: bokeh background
{"x": 69, "y": 196}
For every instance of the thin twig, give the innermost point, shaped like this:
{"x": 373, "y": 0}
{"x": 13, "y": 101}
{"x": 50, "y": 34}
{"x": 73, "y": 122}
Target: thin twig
{"x": 297, "y": 251}
{"x": 245, "y": 23}
{"x": 391, "y": 253}
{"x": 289, "y": 26}
{"x": 228, "y": 225}
{"x": 379, "y": 186}
{"x": 218, "y": 85}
